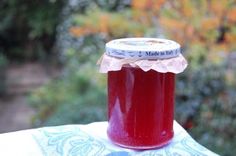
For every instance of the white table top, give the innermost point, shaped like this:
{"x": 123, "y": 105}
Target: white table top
{"x": 89, "y": 140}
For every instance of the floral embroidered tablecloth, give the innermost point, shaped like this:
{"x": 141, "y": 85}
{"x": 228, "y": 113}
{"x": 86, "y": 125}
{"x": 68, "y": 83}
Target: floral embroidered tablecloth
{"x": 89, "y": 140}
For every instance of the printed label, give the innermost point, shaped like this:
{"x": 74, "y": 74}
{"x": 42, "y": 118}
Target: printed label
{"x": 143, "y": 54}
{"x": 145, "y": 48}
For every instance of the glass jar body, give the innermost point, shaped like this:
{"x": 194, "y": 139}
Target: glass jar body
{"x": 140, "y": 107}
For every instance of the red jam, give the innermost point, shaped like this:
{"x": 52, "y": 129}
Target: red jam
{"x": 140, "y": 107}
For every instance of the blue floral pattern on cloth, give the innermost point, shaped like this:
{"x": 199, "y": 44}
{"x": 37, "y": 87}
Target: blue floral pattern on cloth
{"x": 69, "y": 141}
{"x": 76, "y": 140}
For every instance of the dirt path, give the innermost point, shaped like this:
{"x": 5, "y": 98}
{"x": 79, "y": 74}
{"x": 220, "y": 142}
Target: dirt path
{"x": 15, "y": 113}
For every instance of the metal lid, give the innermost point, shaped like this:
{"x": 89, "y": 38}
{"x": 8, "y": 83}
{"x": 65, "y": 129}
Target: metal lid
{"x": 143, "y": 48}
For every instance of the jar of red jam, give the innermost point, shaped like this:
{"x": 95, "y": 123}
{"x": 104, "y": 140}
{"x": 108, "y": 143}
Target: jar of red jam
{"x": 141, "y": 90}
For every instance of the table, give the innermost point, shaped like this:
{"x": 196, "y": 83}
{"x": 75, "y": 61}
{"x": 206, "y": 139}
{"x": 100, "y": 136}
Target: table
{"x": 89, "y": 140}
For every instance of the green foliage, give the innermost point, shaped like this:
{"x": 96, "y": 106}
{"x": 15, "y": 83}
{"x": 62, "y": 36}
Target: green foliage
{"x": 79, "y": 96}
{"x": 210, "y": 82}
{"x": 208, "y": 101}
{"x": 27, "y": 28}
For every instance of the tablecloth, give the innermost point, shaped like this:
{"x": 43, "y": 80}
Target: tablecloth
{"x": 89, "y": 140}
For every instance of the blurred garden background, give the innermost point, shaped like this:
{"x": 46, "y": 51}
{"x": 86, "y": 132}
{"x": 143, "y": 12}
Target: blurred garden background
{"x": 49, "y": 50}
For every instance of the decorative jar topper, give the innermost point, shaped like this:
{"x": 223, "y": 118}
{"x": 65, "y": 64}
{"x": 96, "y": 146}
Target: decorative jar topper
{"x": 161, "y": 55}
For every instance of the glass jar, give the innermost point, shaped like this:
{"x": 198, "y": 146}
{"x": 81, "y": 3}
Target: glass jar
{"x": 140, "y": 95}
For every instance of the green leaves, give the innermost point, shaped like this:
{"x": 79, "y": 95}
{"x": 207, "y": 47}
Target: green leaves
{"x": 28, "y": 27}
